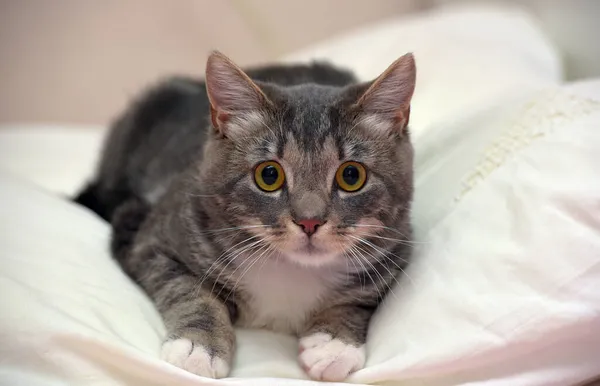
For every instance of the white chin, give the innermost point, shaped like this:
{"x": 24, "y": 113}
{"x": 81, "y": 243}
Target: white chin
{"x": 312, "y": 258}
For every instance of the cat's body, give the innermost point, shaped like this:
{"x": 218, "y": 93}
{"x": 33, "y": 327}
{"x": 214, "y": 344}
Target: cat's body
{"x": 281, "y": 203}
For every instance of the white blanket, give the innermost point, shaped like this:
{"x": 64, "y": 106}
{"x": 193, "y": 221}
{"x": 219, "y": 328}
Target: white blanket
{"x": 505, "y": 286}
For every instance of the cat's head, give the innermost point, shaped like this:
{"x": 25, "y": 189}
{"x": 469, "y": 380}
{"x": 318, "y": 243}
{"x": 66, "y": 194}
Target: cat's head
{"x": 315, "y": 174}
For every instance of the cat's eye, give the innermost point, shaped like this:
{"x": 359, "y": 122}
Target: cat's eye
{"x": 351, "y": 176}
{"x": 269, "y": 176}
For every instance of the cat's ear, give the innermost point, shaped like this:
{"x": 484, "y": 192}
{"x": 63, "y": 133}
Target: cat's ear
{"x": 385, "y": 105}
{"x": 231, "y": 92}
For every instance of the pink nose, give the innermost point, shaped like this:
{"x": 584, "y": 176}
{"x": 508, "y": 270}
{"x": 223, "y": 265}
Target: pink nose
{"x": 309, "y": 226}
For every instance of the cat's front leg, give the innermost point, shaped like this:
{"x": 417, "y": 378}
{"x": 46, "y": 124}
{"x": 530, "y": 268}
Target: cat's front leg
{"x": 333, "y": 345}
{"x": 200, "y": 334}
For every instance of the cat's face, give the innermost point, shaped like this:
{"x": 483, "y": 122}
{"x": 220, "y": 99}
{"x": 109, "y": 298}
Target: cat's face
{"x": 318, "y": 174}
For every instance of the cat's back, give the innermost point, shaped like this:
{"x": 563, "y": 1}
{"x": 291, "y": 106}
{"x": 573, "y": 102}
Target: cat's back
{"x": 163, "y": 131}
{"x": 154, "y": 137}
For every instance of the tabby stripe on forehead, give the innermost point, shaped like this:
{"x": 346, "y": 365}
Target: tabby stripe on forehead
{"x": 280, "y": 146}
{"x": 285, "y": 118}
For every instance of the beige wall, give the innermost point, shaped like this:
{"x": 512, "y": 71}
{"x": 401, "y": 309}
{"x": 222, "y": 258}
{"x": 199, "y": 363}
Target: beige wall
{"x": 81, "y": 60}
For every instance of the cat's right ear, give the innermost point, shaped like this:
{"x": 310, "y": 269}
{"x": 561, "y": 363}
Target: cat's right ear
{"x": 385, "y": 104}
{"x": 231, "y": 93}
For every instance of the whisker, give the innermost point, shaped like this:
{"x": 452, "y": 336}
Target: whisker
{"x": 216, "y": 264}
{"x": 383, "y": 251}
{"x": 385, "y": 254}
{"x": 254, "y": 261}
{"x": 396, "y": 241}
{"x": 365, "y": 270}
{"x": 376, "y": 270}
{"x": 387, "y": 228}
{"x": 392, "y": 275}
{"x": 236, "y": 228}
{"x": 224, "y": 256}
{"x": 399, "y": 241}
{"x": 355, "y": 267}
{"x": 346, "y": 258}
{"x": 256, "y": 246}
{"x": 380, "y": 227}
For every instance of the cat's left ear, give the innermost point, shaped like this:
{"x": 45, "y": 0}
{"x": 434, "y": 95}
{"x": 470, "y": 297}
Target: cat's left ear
{"x": 231, "y": 93}
{"x": 385, "y": 105}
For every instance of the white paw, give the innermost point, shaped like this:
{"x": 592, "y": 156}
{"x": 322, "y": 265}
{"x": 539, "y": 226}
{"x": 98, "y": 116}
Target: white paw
{"x": 193, "y": 358}
{"x": 327, "y": 359}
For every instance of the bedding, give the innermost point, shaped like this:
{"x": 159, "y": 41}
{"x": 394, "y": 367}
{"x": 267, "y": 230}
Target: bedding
{"x": 504, "y": 286}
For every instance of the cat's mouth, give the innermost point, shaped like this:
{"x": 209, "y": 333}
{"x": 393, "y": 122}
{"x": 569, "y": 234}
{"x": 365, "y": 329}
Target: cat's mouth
{"x": 313, "y": 252}
{"x": 310, "y": 249}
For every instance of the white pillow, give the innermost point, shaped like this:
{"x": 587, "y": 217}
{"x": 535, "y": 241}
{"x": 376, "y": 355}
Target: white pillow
{"x": 55, "y": 157}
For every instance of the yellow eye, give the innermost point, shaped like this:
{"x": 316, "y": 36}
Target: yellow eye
{"x": 351, "y": 176}
{"x": 269, "y": 176}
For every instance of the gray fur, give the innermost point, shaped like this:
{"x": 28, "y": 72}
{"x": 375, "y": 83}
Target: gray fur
{"x": 209, "y": 229}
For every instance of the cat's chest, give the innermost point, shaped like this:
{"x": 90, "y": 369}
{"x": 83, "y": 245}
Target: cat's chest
{"x": 280, "y": 296}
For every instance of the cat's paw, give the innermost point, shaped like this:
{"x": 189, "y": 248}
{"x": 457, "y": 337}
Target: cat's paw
{"x": 328, "y": 359}
{"x": 194, "y": 358}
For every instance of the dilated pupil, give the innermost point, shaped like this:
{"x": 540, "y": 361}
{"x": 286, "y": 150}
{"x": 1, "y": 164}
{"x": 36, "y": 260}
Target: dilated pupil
{"x": 269, "y": 175}
{"x": 351, "y": 175}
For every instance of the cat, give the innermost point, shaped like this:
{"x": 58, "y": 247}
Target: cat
{"x": 276, "y": 198}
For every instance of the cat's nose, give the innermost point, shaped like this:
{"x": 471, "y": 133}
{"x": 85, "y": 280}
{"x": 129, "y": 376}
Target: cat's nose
{"x": 309, "y": 226}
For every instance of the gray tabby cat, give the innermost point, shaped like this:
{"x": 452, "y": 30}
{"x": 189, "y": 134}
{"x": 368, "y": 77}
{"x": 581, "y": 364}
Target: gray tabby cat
{"x": 290, "y": 213}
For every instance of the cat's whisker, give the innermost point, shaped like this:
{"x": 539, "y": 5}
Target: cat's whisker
{"x": 361, "y": 260}
{"x": 230, "y": 251}
{"x": 356, "y": 270}
{"x": 265, "y": 260}
{"x": 384, "y": 266}
{"x": 236, "y": 228}
{"x": 256, "y": 246}
{"x": 383, "y": 251}
{"x": 379, "y": 250}
{"x": 383, "y": 227}
{"x": 249, "y": 267}
{"x": 264, "y": 256}
{"x": 253, "y": 250}
{"x": 404, "y": 239}
{"x": 223, "y": 257}
{"x": 375, "y": 270}
{"x": 249, "y": 252}
{"x": 399, "y": 241}
{"x": 385, "y": 254}
{"x": 345, "y": 255}
{"x": 380, "y": 294}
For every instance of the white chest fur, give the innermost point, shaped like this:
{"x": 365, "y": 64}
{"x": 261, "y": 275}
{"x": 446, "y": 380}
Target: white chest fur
{"x": 281, "y": 295}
